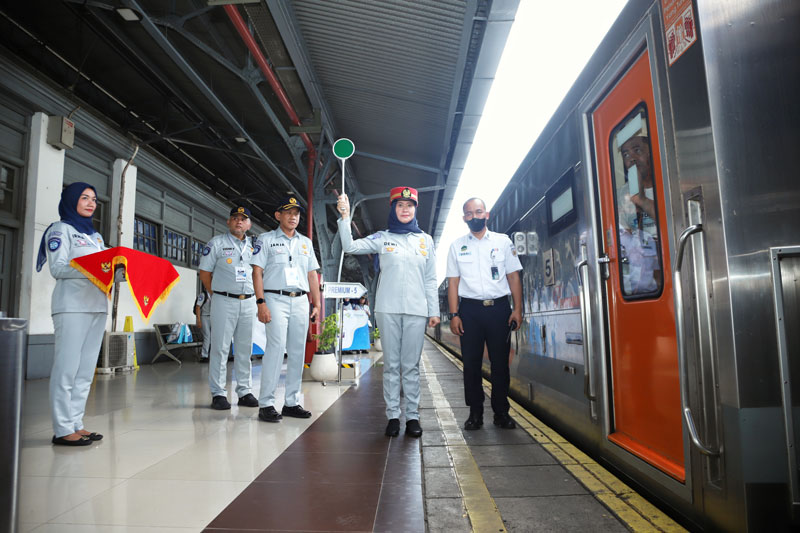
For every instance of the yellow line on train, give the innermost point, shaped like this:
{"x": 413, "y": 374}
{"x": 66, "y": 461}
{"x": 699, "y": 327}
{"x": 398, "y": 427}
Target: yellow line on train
{"x": 630, "y": 507}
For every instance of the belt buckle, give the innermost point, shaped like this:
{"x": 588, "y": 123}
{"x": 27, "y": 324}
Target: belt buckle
{"x": 293, "y": 294}
{"x": 241, "y": 296}
{"x": 487, "y": 303}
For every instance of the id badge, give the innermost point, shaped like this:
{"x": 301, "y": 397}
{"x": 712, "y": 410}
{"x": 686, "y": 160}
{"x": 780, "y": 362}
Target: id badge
{"x": 241, "y": 274}
{"x": 292, "y": 279}
{"x": 495, "y": 273}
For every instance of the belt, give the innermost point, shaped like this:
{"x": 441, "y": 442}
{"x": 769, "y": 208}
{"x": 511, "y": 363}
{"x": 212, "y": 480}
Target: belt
{"x": 237, "y": 296}
{"x": 485, "y": 303}
{"x": 287, "y": 293}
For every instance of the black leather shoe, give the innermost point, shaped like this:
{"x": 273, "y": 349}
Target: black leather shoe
{"x": 413, "y": 429}
{"x": 269, "y": 414}
{"x": 220, "y": 403}
{"x": 94, "y": 436}
{"x": 504, "y": 422}
{"x": 473, "y": 422}
{"x": 295, "y": 411}
{"x": 248, "y": 400}
{"x": 393, "y": 428}
{"x": 83, "y": 441}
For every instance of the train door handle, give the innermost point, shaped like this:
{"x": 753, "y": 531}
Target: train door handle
{"x": 586, "y": 327}
{"x": 681, "y": 338}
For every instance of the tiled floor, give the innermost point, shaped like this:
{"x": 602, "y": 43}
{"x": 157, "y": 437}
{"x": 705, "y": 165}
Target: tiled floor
{"x": 167, "y": 462}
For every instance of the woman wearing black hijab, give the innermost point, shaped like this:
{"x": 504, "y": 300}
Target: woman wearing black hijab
{"x": 79, "y": 310}
{"x": 407, "y": 300}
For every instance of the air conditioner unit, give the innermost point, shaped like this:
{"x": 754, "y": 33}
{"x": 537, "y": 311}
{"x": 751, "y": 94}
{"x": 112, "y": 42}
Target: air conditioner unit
{"x": 117, "y": 353}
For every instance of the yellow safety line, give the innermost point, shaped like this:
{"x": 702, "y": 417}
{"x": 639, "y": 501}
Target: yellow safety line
{"x": 630, "y": 507}
{"x": 481, "y": 508}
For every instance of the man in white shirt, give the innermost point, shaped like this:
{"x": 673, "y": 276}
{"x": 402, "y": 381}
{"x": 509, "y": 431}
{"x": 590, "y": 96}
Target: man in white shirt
{"x": 482, "y": 270}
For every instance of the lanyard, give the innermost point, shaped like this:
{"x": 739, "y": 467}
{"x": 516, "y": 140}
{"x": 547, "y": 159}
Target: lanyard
{"x": 239, "y": 248}
{"x": 96, "y": 245}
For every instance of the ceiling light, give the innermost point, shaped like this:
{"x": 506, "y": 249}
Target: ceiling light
{"x": 240, "y": 139}
{"x": 128, "y": 14}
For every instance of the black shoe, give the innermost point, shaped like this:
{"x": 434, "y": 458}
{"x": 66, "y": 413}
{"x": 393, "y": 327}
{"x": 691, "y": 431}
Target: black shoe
{"x": 94, "y": 436}
{"x": 295, "y": 411}
{"x": 83, "y": 441}
{"x": 220, "y": 403}
{"x": 248, "y": 400}
{"x": 392, "y": 428}
{"x": 269, "y": 414}
{"x": 473, "y": 422}
{"x": 504, "y": 421}
{"x": 413, "y": 429}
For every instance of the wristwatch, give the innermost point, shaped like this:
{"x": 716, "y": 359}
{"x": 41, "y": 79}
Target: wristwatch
{"x": 260, "y": 301}
{"x": 452, "y": 315}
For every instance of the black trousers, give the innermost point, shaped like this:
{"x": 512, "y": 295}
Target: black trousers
{"x": 485, "y": 326}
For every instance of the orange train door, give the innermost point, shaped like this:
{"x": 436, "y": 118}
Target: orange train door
{"x": 645, "y": 399}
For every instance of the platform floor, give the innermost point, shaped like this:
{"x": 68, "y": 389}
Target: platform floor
{"x": 170, "y": 463}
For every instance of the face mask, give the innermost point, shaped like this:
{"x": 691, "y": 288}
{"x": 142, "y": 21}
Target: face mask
{"x": 476, "y": 224}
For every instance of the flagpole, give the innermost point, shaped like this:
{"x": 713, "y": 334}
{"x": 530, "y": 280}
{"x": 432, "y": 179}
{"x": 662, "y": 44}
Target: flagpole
{"x": 119, "y": 236}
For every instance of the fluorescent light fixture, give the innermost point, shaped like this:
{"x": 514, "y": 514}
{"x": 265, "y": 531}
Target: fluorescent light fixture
{"x": 128, "y": 14}
{"x": 240, "y": 139}
{"x": 228, "y": 2}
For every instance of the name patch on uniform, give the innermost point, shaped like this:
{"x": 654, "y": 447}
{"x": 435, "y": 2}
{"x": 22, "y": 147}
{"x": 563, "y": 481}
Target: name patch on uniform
{"x": 54, "y": 243}
{"x": 206, "y": 250}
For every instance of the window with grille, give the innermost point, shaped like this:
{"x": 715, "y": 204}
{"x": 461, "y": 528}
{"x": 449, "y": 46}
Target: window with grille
{"x": 145, "y": 236}
{"x": 176, "y": 246}
{"x": 197, "y": 252}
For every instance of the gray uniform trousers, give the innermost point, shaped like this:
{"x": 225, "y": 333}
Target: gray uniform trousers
{"x": 286, "y": 331}
{"x": 231, "y": 319}
{"x": 402, "y": 337}
{"x": 78, "y": 337}
{"x": 205, "y": 321}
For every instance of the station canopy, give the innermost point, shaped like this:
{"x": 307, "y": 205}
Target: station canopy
{"x": 406, "y": 81}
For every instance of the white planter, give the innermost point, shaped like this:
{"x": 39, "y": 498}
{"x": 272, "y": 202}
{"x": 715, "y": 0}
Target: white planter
{"x": 323, "y": 367}
{"x": 377, "y": 345}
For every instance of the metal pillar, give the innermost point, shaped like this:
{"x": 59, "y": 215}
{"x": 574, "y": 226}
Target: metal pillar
{"x": 13, "y": 335}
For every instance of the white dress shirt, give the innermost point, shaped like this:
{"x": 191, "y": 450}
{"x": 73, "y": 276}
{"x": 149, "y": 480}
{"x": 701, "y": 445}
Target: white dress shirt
{"x": 482, "y": 264}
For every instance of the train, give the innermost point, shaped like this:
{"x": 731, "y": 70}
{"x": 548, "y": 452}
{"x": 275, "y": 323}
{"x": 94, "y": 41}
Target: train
{"x": 657, "y": 220}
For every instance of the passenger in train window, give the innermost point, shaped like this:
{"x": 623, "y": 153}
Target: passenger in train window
{"x": 635, "y": 154}
{"x": 407, "y": 299}
{"x": 636, "y": 209}
{"x": 79, "y": 310}
{"x": 225, "y": 271}
{"x": 482, "y": 271}
{"x": 284, "y": 275}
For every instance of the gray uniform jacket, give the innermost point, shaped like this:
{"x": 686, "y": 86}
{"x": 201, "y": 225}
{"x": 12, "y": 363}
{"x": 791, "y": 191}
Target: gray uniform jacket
{"x": 228, "y": 258}
{"x": 407, "y": 283}
{"x": 74, "y": 293}
{"x": 277, "y": 254}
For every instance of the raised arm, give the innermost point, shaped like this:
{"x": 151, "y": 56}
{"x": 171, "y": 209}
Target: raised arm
{"x": 369, "y": 245}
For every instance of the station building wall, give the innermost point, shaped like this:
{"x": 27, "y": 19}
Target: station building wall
{"x": 165, "y": 211}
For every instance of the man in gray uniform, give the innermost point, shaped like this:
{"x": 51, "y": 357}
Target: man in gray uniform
{"x": 202, "y": 310}
{"x": 284, "y": 271}
{"x": 225, "y": 271}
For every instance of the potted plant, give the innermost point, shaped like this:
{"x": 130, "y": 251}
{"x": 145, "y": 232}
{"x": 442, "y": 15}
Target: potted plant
{"x": 323, "y": 364}
{"x": 376, "y": 339}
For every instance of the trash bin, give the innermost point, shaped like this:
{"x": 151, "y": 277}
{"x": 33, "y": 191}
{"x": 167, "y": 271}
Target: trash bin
{"x": 13, "y": 339}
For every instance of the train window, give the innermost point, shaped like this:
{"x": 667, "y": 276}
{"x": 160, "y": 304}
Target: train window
{"x": 561, "y": 203}
{"x": 639, "y": 249}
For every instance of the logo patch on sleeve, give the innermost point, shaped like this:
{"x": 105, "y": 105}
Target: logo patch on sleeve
{"x": 374, "y": 236}
{"x": 206, "y": 250}
{"x": 256, "y": 249}
{"x": 54, "y": 243}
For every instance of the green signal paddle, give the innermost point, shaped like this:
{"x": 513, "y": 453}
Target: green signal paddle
{"x": 343, "y": 149}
